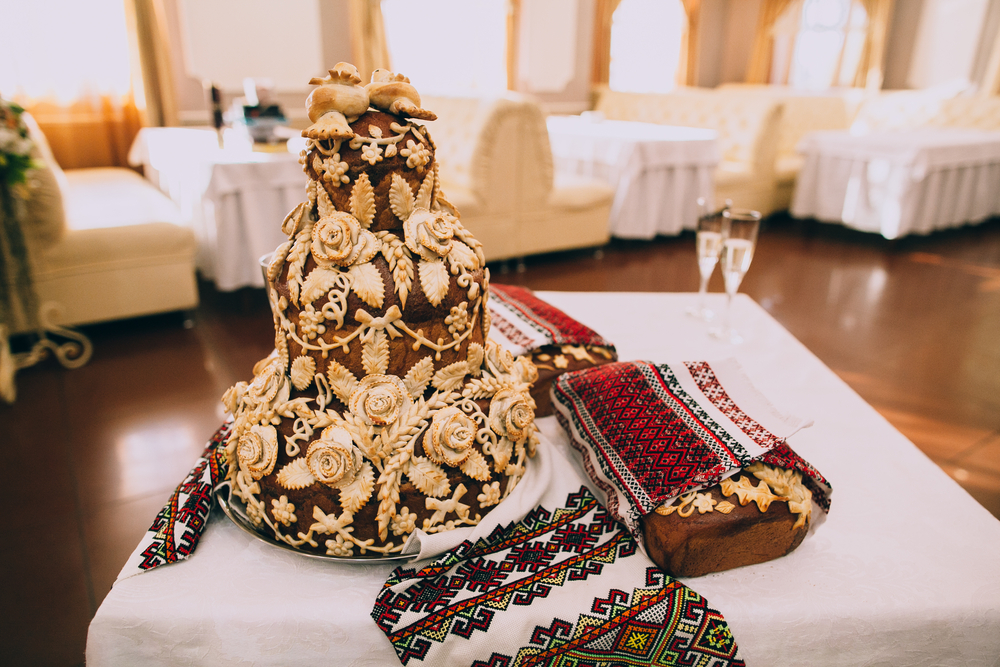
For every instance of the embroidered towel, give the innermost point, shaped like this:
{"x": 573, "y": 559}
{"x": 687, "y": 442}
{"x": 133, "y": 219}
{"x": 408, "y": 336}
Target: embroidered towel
{"x": 566, "y": 585}
{"x": 647, "y": 433}
{"x": 522, "y": 322}
{"x": 178, "y": 526}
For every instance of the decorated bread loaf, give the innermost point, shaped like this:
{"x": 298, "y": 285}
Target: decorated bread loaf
{"x": 385, "y": 407}
{"x": 757, "y": 515}
{"x": 554, "y": 360}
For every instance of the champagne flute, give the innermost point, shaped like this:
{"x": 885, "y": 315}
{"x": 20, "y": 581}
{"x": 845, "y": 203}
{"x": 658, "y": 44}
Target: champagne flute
{"x": 740, "y": 227}
{"x": 709, "y": 244}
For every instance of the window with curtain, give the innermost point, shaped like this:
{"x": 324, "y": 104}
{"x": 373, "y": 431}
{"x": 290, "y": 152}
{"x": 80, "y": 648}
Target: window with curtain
{"x": 69, "y": 66}
{"x": 646, "y": 41}
{"x": 449, "y": 47}
{"x": 819, "y": 44}
{"x": 79, "y": 51}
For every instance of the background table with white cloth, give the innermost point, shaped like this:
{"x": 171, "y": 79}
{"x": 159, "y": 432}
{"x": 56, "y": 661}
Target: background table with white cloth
{"x": 234, "y": 198}
{"x": 899, "y": 183}
{"x": 903, "y": 571}
{"x": 658, "y": 171}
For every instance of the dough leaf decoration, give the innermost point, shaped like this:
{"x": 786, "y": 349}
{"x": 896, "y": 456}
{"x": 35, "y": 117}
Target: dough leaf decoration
{"x": 375, "y": 354}
{"x": 419, "y": 376}
{"x": 366, "y": 281}
{"x": 355, "y": 495}
{"x": 476, "y": 466}
{"x": 320, "y": 281}
{"x": 434, "y": 278}
{"x": 342, "y": 381}
{"x": 296, "y": 475}
{"x": 363, "y": 201}
{"x": 400, "y": 197}
{"x": 428, "y": 477}
{"x": 450, "y": 377}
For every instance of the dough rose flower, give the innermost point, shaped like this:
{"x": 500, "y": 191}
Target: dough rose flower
{"x": 511, "y": 414}
{"x": 499, "y": 357}
{"x": 334, "y": 459}
{"x": 380, "y": 399}
{"x": 270, "y": 385}
{"x": 450, "y": 437}
{"x": 338, "y": 239}
{"x": 429, "y": 233}
{"x": 525, "y": 370}
{"x": 258, "y": 450}
{"x": 234, "y": 396}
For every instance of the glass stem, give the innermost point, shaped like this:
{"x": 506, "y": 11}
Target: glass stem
{"x": 727, "y": 326}
{"x": 702, "y": 291}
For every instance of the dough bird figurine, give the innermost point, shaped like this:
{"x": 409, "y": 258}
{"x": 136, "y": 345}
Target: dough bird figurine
{"x": 339, "y": 100}
{"x": 394, "y": 94}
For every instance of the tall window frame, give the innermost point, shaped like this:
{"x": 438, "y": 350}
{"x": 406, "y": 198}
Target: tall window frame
{"x": 819, "y": 44}
{"x": 475, "y": 51}
{"x": 647, "y": 46}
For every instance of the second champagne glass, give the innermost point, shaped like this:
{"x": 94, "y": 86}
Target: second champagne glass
{"x": 740, "y": 232}
{"x": 709, "y": 237}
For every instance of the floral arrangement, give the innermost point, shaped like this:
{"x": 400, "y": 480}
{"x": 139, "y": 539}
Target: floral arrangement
{"x": 15, "y": 145}
{"x": 19, "y": 306}
{"x": 16, "y": 290}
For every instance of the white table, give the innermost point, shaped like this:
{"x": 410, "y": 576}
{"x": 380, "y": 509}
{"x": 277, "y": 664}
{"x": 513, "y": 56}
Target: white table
{"x": 234, "y": 198}
{"x": 899, "y": 183}
{"x": 904, "y": 570}
{"x": 658, "y": 171}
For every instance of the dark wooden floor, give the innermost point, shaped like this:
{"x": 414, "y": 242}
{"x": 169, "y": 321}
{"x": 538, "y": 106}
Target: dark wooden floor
{"x": 92, "y": 454}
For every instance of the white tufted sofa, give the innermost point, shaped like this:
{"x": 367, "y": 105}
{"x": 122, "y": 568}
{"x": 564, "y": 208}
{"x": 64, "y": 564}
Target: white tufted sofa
{"x": 759, "y": 128}
{"x": 911, "y": 109}
{"x": 747, "y": 125}
{"x": 105, "y": 244}
{"x": 496, "y": 168}
{"x": 802, "y": 112}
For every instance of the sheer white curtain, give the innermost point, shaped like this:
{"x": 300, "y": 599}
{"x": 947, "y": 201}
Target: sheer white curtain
{"x": 828, "y": 46}
{"x": 68, "y": 64}
{"x": 76, "y": 50}
{"x": 646, "y": 41}
{"x": 449, "y": 47}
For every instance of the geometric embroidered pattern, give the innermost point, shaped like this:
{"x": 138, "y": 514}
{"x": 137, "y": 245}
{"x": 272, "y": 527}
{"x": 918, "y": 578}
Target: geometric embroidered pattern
{"x": 644, "y": 440}
{"x": 779, "y": 454}
{"x": 709, "y": 384}
{"x": 572, "y": 559}
{"x": 652, "y": 441}
{"x": 178, "y": 526}
{"x": 783, "y": 456}
{"x": 553, "y": 326}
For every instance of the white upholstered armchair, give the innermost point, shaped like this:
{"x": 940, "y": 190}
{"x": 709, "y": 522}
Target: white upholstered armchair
{"x": 105, "y": 244}
{"x": 496, "y": 168}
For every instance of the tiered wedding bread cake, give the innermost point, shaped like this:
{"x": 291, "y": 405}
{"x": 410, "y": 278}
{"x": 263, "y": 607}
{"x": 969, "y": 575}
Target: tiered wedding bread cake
{"x": 384, "y": 408}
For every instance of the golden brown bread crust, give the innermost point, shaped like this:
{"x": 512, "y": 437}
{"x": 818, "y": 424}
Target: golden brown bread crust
{"x": 385, "y": 408}
{"x": 380, "y": 172}
{"x": 418, "y": 314}
{"x": 554, "y": 360}
{"x": 365, "y": 520}
{"x": 738, "y": 522}
{"x": 705, "y": 543}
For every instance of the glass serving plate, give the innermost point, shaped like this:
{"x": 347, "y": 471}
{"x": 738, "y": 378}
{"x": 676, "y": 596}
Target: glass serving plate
{"x": 234, "y": 509}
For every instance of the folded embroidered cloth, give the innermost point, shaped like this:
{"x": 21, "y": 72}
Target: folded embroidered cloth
{"x": 519, "y": 318}
{"x": 178, "y": 526}
{"x": 566, "y": 585}
{"x": 647, "y": 433}
{"x": 522, "y": 322}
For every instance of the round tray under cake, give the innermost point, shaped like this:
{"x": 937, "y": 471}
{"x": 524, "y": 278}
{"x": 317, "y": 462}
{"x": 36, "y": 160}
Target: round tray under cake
{"x": 234, "y": 509}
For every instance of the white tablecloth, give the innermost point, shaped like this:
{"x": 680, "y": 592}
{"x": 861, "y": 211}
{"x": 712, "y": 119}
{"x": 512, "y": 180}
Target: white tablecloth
{"x": 659, "y": 171}
{"x": 234, "y": 199}
{"x": 904, "y": 570}
{"x": 899, "y": 183}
